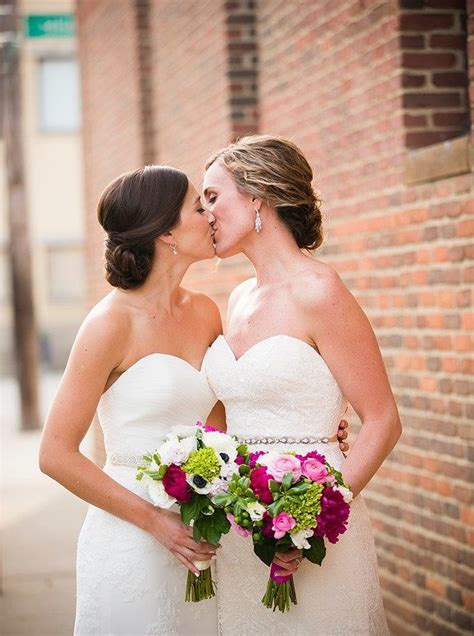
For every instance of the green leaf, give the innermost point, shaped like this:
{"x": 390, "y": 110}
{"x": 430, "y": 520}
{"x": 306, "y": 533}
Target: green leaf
{"x": 274, "y": 485}
{"x": 287, "y": 479}
{"x": 156, "y": 457}
{"x": 139, "y": 477}
{"x": 276, "y": 507}
{"x": 299, "y": 489}
{"x": 222, "y": 500}
{"x": 147, "y": 458}
{"x": 213, "y": 527}
{"x": 163, "y": 469}
{"x": 192, "y": 509}
{"x": 196, "y": 533}
{"x": 284, "y": 544}
{"x": 317, "y": 551}
{"x": 265, "y": 551}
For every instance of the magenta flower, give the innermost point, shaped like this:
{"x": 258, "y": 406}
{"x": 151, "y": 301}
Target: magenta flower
{"x": 253, "y": 458}
{"x": 209, "y": 429}
{"x": 239, "y": 460}
{"x": 282, "y": 523}
{"x": 332, "y": 520}
{"x": 259, "y": 479}
{"x": 267, "y": 528}
{"x": 175, "y": 484}
{"x": 312, "y": 455}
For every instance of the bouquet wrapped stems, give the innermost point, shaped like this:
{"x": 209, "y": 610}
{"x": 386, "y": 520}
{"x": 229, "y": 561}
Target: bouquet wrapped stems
{"x": 280, "y": 591}
{"x": 199, "y": 588}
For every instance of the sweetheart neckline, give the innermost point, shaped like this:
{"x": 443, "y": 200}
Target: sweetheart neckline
{"x": 153, "y": 354}
{"x": 260, "y": 342}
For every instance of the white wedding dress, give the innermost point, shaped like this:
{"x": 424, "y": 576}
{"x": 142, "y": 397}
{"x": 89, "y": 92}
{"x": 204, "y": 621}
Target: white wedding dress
{"x": 127, "y": 583}
{"x": 282, "y": 387}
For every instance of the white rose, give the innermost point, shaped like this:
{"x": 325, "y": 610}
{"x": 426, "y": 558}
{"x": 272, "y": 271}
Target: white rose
{"x": 157, "y": 493}
{"x": 221, "y": 443}
{"x": 300, "y": 539}
{"x": 255, "y": 510}
{"x": 345, "y": 492}
{"x": 176, "y": 451}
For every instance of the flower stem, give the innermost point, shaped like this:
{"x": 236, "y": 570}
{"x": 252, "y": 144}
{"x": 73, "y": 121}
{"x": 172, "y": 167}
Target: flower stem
{"x": 279, "y": 595}
{"x": 199, "y": 588}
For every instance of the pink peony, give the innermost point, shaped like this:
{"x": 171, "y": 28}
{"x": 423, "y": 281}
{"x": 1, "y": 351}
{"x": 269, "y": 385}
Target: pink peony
{"x": 279, "y": 465}
{"x": 259, "y": 479}
{"x": 239, "y": 460}
{"x": 243, "y": 532}
{"x": 282, "y": 523}
{"x": 314, "y": 470}
{"x": 175, "y": 484}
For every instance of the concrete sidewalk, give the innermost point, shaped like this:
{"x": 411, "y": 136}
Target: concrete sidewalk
{"x": 40, "y": 525}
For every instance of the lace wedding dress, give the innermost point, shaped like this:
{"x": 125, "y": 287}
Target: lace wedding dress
{"x": 127, "y": 583}
{"x": 282, "y": 388}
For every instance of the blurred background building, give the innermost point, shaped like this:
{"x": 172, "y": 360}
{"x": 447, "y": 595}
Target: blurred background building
{"x": 379, "y": 95}
{"x": 51, "y": 121}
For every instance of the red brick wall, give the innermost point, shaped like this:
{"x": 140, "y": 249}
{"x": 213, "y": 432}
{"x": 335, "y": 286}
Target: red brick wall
{"x": 193, "y": 86}
{"x": 330, "y": 80}
{"x": 111, "y": 105}
{"x": 433, "y": 41}
{"x": 329, "y": 75}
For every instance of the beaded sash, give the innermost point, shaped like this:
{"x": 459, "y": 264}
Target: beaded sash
{"x": 288, "y": 440}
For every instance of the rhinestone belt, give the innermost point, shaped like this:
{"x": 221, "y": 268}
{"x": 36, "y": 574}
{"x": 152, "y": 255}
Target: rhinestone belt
{"x": 288, "y": 440}
{"x": 119, "y": 459}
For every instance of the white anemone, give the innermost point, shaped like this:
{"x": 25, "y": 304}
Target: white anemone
{"x": 157, "y": 493}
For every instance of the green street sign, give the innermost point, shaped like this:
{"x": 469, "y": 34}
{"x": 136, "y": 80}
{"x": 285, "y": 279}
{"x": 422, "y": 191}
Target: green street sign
{"x": 58, "y": 25}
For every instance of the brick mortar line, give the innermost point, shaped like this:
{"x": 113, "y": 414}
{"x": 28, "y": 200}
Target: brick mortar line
{"x": 422, "y": 571}
{"x": 425, "y": 532}
{"x": 456, "y": 523}
{"x": 403, "y": 542}
{"x": 434, "y": 617}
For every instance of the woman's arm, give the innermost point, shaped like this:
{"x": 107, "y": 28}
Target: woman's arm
{"x": 349, "y": 347}
{"x": 98, "y": 350}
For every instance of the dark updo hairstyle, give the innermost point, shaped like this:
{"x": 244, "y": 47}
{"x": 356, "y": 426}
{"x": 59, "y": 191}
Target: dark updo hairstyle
{"x": 275, "y": 170}
{"x": 135, "y": 209}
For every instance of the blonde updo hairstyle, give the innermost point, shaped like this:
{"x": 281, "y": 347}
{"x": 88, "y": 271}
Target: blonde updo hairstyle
{"x": 275, "y": 170}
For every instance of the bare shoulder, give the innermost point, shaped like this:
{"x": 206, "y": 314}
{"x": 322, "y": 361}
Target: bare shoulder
{"x": 207, "y": 309}
{"x": 106, "y": 328}
{"x": 321, "y": 287}
{"x": 239, "y": 291}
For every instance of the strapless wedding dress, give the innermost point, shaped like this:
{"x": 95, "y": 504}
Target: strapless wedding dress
{"x": 128, "y": 583}
{"x": 282, "y": 388}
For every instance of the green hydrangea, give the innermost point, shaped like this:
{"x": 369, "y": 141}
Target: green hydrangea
{"x": 203, "y": 462}
{"x": 308, "y": 507}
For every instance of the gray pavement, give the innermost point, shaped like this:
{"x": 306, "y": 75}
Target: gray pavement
{"x": 40, "y": 524}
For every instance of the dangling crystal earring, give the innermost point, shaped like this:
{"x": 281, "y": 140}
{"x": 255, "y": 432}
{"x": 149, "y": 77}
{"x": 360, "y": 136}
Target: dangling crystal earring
{"x": 258, "y": 221}
{"x": 174, "y": 246}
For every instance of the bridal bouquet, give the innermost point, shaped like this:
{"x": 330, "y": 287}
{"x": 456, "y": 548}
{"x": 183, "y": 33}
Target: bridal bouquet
{"x": 284, "y": 501}
{"x": 194, "y": 464}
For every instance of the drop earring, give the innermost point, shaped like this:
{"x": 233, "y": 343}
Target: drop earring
{"x": 173, "y": 247}
{"x": 258, "y": 221}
